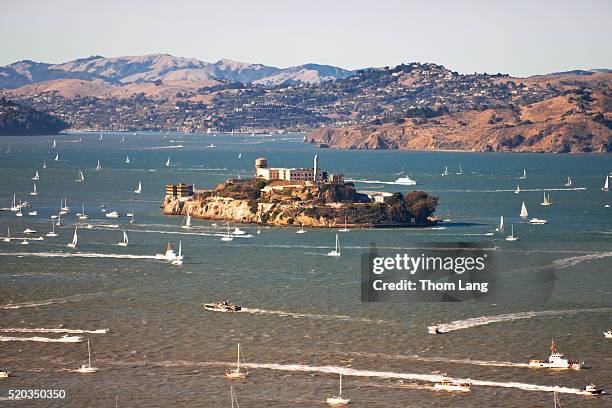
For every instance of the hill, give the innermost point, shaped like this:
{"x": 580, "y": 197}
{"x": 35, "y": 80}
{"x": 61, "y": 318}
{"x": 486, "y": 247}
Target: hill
{"x": 17, "y": 120}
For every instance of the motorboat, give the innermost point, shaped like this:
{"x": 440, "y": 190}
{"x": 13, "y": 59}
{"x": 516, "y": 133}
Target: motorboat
{"x": 405, "y": 180}
{"x": 112, "y": 214}
{"x": 537, "y": 221}
{"x": 434, "y": 330}
{"x": 29, "y": 231}
{"x": 4, "y": 374}
{"x": 453, "y": 386}
{"x": 608, "y": 334}
{"x": 556, "y": 360}
{"x": 590, "y": 389}
{"x": 238, "y": 231}
{"x": 33, "y": 213}
{"x": 224, "y": 306}
{"x": 169, "y": 255}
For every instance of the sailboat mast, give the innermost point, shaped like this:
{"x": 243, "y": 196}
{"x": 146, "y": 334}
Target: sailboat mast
{"x": 238, "y": 360}
{"x": 340, "y": 385}
{"x": 88, "y": 352}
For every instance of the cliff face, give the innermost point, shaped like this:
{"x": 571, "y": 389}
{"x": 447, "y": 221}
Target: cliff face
{"x": 576, "y": 122}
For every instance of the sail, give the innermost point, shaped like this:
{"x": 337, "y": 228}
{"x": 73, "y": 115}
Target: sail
{"x": 188, "y": 221}
{"x": 606, "y": 184}
{"x": 168, "y": 162}
{"x": 56, "y": 157}
{"x": 501, "y": 223}
{"x": 524, "y": 212}
{"x": 139, "y": 188}
{"x": 75, "y": 238}
{"x": 54, "y": 144}
{"x": 127, "y": 159}
{"x": 98, "y": 167}
{"x": 125, "y": 238}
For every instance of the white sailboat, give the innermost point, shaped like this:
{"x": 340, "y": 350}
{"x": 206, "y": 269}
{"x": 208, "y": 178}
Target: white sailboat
{"x": 64, "y": 207}
{"x": 460, "y": 172}
{"x": 75, "y": 239}
{"x": 168, "y": 162}
{"x": 518, "y": 189}
{"x": 237, "y": 373}
{"x": 512, "y": 237}
{"x": 34, "y": 191}
{"x": 301, "y": 230}
{"x": 139, "y": 188}
{"x": 59, "y": 220}
{"x": 87, "y": 368}
{"x": 445, "y": 173}
{"x": 338, "y": 399}
{"x": 56, "y": 157}
{"x": 179, "y": 257}
{"x": 546, "y": 201}
{"x": 14, "y": 206}
{"x": 82, "y": 215}
{"x": 44, "y": 166}
{"x": 344, "y": 229}
{"x": 569, "y": 182}
{"x": 98, "y": 166}
{"x": 187, "y": 223}
{"x": 127, "y": 159}
{"x": 227, "y": 236}
{"x": 501, "y": 224}
{"x": 8, "y": 235}
{"x": 54, "y": 144}
{"x": 524, "y": 213}
{"x": 124, "y": 243}
{"x": 240, "y": 155}
{"x": 524, "y": 176}
{"x": 33, "y": 213}
{"x": 52, "y": 233}
{"x": 81, "y": 176}
{"x": 36, "y": 176}
{"x": 606, "y": 186}
{"x": 336, "y": 251}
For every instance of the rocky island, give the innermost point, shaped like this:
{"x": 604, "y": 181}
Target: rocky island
{"x": 19, "y": 120}
{"x": 300, "y": 196}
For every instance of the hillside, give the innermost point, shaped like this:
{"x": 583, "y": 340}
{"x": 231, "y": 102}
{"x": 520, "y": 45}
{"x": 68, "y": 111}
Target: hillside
{"x": 17, "y": 120}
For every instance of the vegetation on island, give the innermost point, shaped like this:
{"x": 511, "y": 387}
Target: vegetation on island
{"x": 18, "y": 120}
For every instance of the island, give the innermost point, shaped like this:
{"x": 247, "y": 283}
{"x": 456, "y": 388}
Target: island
{"x": 300, "y": 197}
{"x": 20, "y": 120}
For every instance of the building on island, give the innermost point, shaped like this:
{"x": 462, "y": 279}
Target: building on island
{"x": 179, "y": 190}
{"x": 377, "y": 196}
{"x": 313, "y": 174}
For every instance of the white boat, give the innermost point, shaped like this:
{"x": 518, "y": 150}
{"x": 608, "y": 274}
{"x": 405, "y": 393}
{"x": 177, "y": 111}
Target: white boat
{"x": 524, "y": 176}
{"x": 179, "y": 257}
{"x": 546, "y": 201}
{"x": 4, "y": 374}
{"x": 590, "y": 389}
{"x": 453, "y": 386}
{"x": 405, "y": 180}
{"x": 98, "y": 166}
{"x": 29, "y": 231}
{"x": 336, "y": 251}
{"x": 237, "y": 373}
{"x": 64, "y": 207}
{"x": 19, "y": 213}
{"x": 33, "y": 213}
{"x": 238, "y": 231}
{"x": 139, "y": 188}
{"x": 25, "y": 241}
{"x": 518, "y": 189}
{"x": 124, "y": 243}
{"x": 75, "y": 239}
{"x": 56, "y": 157}
{"x": 82, "y": 215}
{"x": 338, "y": 399}
{"x": 54, "y": 144}
{"x": 240, "y": 155}
{"x": 501, "y": 224}
{"x": 34, "y": 191}
{"x": 36, "y": 176}
{"x": 445, "y": 172}
{"x": 14, "y": 205}
{"x": 8, "y": 235}
{"x": 606, "y": 186}
{"x": 112, "y": 214}
{"x": 211, "y": 146}
{"x": 81, "y": 177}
{"x": 101, "y": 137}
{"x": 435, "y": 329}
{"x": 537, "y": 221}
{"x": 301, "y": 230}
{"x": 608, "y": 334}
{"x": 169, "y": 255}
{"x": 556, "y": 360}
{"x": 227, "y": 237}
{"x": 569, "y": 182}
{"x": 52, "y": 233}
{"x": 187, "y": 224}
{"x": 127, "y": 159}
{"x": 168, "y": 162}
{"x": 59, "y": 219}
{"x": 524, "y": 213}
{"x": 460, "y": 172}
{"x": 344, "y": 229}
{"x": 87, "y": 368}
{"x": 44, "y": 166}
{"x": 512, "y": 237}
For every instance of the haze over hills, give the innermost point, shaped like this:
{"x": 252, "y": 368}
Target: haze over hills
{"x": 162, "y": 67}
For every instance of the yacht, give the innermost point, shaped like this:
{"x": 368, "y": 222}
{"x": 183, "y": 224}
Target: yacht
{"x": 524, "y": 176}
{"x": 54, "y": 144}
{"x": 344, "y": 229}
{"x": 445, "y": 172}
{"x": 546, "y": 201}
{"x": 169, "y": 255}
{"x": 405, "y": 180}
{"x": 537, "y": 221}
{"x": 453, "y": 386}
{"x": 82, "y": 215}
{"x": 227, "y": 237}
{"x": 518, "y": 189}
{"x": 56, "y": 157}
{"x": 33, "y": 213}
{"x": 501, "y": 224}
{"x": 4, "y": 374}
{"x": 34, "y": 191}
{"x": 59, "y": 219}
{"x": 606, "y": 186}
{"x": 512, "y": 237}
{"x": 238, "y": 231}
{"x": 81, "y": 177}
{"x": 237, "y": 373}
{"x": 127, "y": 159}
{"x": 87, "y": 368}
{"x": 36, "y": 176}
{"x": 338, "y": 399}
{"x": 14, "y": 205}
{"x": 301, "y": 230}
{"x": 608, "y": 334}
{"x": 64, "y": 207}
{"x": 75, "y": 239}
{"x": 44, "y": 166}
{"x": 25, "y": 241}
{"x": 556, "y": 360}
{"x": 590, "y": 389}
{"x": 8, "y": 235}
{"x": 98, "y": 166}
{"x": 179, "y": 257}
{"x": 29, "y": 231}
{"x": 524, "y": 213}
{"x": 112, "y": 214}
{"x": 460, "y": 172}
{"x": 336, "y": 251}
{"x": 139, "y": 188}
{"x": 187, "y": 223}
{"x": 168, "y": 162}
{"x": 224, "y": 306}
{"x": 52, "y": 233}
{"x": 569, "y": 182}
{"x": 124, "y": 243}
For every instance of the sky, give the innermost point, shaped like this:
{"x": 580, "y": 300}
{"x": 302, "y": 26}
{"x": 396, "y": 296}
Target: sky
{"x": 517, "y": 37}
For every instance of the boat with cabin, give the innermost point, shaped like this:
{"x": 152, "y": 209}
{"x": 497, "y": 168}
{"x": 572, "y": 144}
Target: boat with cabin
{"x": 556, "y": 360}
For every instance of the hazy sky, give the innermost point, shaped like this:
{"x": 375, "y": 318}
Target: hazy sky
{"x": 517, "y": 37}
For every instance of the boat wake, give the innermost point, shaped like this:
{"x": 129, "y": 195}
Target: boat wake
{"x": 179, "y": 146}
{"x": 67, "y": 339}
{"x": 508, "y": 317}
{"x": 514, "y": 190}
{"x": 47, "y": 302}
{"x": 309, "y": 316}
{"x": 484, "y": 363}
{"x": 204, "y": 234}
{"x": 379, "y": 182}
{"x": 575, "y": 260}
{"x": 75, "y": 255}
{"x": 42, "y": 330}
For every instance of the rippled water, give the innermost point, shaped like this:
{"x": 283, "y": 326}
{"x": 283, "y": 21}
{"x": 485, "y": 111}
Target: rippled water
{"x": 304, "y": 321}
